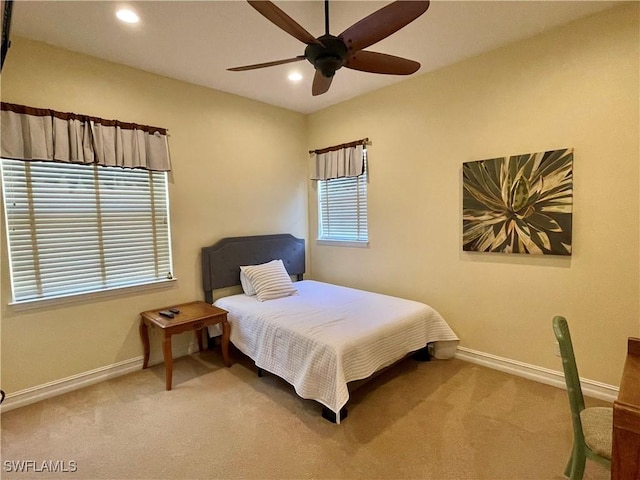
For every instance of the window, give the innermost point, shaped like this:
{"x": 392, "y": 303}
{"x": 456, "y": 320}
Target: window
{"x": 342, "y": 208}
{"x": 75, "y": 229}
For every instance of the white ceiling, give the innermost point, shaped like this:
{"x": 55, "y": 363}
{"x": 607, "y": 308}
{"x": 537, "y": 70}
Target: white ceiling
{"x": 197, "y": 41}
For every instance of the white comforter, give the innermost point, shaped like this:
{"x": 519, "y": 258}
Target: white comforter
{"x": 327, "y": 335}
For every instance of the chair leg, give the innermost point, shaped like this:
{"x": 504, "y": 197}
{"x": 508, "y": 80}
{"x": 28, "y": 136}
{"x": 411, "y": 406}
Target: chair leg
{"x": 567, "y": 470}
{"x": 576, "y": 465}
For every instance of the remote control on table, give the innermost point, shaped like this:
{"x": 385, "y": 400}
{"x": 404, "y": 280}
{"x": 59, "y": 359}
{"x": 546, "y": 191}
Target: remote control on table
{"x": 166, "y": 313}
{"x": 174, "y": 310}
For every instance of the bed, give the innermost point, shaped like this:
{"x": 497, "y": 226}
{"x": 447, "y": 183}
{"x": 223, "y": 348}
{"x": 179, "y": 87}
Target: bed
{"x": 323, "y": 336}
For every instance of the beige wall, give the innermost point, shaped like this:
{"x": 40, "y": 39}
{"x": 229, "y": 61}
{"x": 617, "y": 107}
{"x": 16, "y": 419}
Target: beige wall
{"x": 238, "y": 169}
{"x": 576, "y": 86}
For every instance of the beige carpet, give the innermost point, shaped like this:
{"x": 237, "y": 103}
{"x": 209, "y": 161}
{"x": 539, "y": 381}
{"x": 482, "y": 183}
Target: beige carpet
{"x": 435, "y": 420}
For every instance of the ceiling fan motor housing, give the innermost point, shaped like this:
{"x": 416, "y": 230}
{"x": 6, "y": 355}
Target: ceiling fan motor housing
{"x": 328, "y": 57}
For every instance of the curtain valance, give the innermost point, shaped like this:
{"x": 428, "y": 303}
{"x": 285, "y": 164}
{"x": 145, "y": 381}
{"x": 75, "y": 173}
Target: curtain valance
{"x": 41, "y": 134}
{"x": 346, "y": 160}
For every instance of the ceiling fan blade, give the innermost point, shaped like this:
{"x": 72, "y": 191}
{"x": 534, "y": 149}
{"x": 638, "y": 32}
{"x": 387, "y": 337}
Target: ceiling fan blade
{"x": 276, "y": 16}
{"x": 320, "y": 84}
{"x": 382, "y": 23}
{"x": 267, "y": 64}
{"x": 381, "y": 63}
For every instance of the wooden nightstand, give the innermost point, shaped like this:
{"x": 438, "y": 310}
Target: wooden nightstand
{"x": 193, "y": 316}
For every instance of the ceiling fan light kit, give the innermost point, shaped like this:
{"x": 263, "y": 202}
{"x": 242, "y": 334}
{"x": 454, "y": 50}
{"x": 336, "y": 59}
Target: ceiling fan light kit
{"x": 329, "y": 53}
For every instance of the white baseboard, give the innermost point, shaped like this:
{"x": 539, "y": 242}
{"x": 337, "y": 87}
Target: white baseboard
{"x": 27, "y": 396}
{"x": 590, "y": 388}
{"x": 68, "y": 384}
{"x": 85, "y": 379}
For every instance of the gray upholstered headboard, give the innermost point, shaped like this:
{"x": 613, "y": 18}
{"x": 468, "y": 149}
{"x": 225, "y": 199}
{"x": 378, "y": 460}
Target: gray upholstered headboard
{"x": 221, "y": 261}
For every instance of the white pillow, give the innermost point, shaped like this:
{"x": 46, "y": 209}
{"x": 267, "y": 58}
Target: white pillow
{"x": 270, "y": 280}
{"x": 247, "y": 286}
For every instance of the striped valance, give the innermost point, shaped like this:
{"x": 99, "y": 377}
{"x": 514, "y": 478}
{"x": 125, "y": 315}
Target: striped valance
{"x": 41, "y": 134}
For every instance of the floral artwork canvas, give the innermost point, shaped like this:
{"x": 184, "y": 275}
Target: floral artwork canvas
{"x": 520, "y": 204}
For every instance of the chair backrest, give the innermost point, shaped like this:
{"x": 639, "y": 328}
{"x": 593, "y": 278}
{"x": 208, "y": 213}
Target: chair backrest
{"x": 572, "y": 379}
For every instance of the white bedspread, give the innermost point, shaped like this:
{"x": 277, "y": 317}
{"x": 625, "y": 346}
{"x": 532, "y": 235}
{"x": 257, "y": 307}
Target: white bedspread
{"x": 327, "y": 335}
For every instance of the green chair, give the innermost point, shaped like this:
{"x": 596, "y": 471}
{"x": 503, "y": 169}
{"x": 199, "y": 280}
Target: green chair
{"x": 593, "y": 426}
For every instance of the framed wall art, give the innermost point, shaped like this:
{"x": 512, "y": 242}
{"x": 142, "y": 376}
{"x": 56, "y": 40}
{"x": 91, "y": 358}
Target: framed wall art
{"x": 520, "y": 204}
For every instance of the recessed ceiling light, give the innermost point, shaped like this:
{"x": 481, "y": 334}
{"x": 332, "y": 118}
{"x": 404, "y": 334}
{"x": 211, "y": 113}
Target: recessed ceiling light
{"x": 127, "y": 16}
{"x": 295, "y": 77}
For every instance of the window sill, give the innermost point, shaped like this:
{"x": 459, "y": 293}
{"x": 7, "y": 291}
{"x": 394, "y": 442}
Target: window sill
{"x": 342, "y": 243}
{"x": 76, "y": 298}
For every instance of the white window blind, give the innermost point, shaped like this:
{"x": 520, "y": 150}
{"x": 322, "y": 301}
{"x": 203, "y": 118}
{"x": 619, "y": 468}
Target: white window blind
{"x": 84, "y": 228}
{"x": 342, "y": 208}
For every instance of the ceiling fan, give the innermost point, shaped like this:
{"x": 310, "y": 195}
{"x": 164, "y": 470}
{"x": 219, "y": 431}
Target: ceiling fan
{"x": 329, "y": 53}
